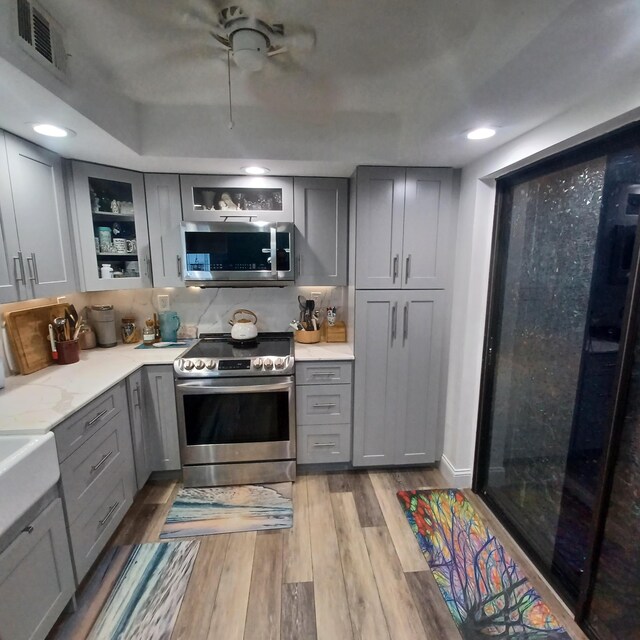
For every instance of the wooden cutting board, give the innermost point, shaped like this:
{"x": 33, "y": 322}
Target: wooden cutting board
{"x": 28, "y": 331}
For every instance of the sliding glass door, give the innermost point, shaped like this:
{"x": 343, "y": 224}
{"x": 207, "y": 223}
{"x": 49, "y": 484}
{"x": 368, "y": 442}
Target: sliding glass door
{"x": 560, "y": 285}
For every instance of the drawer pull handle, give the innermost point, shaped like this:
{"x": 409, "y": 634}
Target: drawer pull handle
{"x": 324, "y": 404}
{"x": 28, "y": 529}
{"x": 112, "y": 508}
{"x": 324, "y": 444}
{"x": 94, "y": 420}
{"x": 104, "y": 458}
{"x": 322, "y": 373}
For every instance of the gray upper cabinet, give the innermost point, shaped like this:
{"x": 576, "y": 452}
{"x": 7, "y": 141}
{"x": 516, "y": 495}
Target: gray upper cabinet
{"x": 110, "y": 225}
{"x": 161, "y": 418}
{"x": 402, "y": 227}
{"x": 321, "y": 219}
{"x": 164, "y": 211}
{"x": 397, "y": 377}
{"x": 37, "y": 260}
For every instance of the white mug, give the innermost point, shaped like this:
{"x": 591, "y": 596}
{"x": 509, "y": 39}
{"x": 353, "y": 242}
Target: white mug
{"x": 119, "y": 245}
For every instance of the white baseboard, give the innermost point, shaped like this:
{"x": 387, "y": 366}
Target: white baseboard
{"x": 456, "y": 478}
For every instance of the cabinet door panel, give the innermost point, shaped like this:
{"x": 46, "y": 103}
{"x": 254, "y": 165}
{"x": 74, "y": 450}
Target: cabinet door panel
{"x": 11, "y": 289}
{"x": 420, "y": 330}
{"x": 375, "y": 420}
{"x": 161, "y": 422}
{"x": 164, "y": 209}
{"x": 426, "y": 228}
{"x": 320, "y": 213}
{"x": 42, "y": 220}
{"x": 380, "y": 203}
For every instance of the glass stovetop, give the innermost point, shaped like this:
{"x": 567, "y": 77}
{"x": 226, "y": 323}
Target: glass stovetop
{"x": 222, "y": 347}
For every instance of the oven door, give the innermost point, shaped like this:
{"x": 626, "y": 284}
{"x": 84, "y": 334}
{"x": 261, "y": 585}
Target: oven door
{"x": 236, "y": 419}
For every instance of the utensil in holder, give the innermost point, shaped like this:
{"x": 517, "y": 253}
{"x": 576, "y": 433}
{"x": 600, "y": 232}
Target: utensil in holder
{"x": 307, "y": 337}
{"x": 68, "y": 351}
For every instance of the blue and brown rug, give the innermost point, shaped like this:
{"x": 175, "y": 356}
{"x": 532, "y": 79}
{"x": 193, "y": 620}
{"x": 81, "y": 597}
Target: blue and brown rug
{"x": 210, "y": 510}
{"x": 485, "y": 591}
{"x": 135, "y": 593}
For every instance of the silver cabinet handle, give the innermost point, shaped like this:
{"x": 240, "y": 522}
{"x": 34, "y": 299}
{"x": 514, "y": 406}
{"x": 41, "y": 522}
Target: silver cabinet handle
{"x": 407, "y": 269}
{"x": 405, "y": 324}
{"x": 324, "y": 404}
{"x": 396, "y": 260}
{"x": 298, "y": 264}
{"x": 324, "y": 444}
{"x": 31, "y": 264}
{"x": 17, "y": 262}
{"x": 94, "y": 420}
{"x": 28, "y": 529}
{"x": 322, "y": 373}
{"x": 112, "y": 508}
{"x": 102, "y": 460}
{"x": 394, "y": 321}
{"x": 179, "y": 259}
{"x": 136, "y": 391}
{"x": 147, "y": 262}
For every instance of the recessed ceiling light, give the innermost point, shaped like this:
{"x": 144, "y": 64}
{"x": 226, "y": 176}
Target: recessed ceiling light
{"x": 255, "y": 171}
{"x": 52, "y": 130}
{"x": 481, "y": 134}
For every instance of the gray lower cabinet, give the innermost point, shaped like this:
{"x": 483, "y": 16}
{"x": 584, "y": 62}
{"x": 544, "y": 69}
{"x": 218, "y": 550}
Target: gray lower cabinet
{"x": 323, "y": 412}
{"x": 402, "y": 227}
{"x": 35, "y": 251}
{"x": 320, "y": 207}
{"x": 142, "y": 451}
{"x": 36, "y": 577}
{"x": 164, "y": 213}
{"x": 397, "y": 378}
{"x": 161, "y": 418}
{"x": 97, "y": 474}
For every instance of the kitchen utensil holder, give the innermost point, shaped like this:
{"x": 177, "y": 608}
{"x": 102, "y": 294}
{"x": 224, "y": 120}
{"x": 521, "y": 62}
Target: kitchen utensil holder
{"x": 68, "y": 351}
{"x": 307, "y": 337}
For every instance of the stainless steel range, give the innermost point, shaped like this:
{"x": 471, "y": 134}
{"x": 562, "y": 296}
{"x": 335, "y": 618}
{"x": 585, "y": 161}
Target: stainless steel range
{"x": 236, "y": 410}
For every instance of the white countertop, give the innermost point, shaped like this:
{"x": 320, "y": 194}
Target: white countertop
{"x": 323, "y": 351}
{"x": 37, "y": 402}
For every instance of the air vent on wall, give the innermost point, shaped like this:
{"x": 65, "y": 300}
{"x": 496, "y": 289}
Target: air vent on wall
{"x": 40, "y": 36}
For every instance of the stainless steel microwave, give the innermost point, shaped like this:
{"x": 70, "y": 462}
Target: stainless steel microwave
{"x": 251, "y": 254}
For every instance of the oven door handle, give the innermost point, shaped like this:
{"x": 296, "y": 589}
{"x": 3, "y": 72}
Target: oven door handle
{"x": 187, "y": 388}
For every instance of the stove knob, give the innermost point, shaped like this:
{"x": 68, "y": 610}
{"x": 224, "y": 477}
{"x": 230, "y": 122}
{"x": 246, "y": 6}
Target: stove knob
{"x": 279, "y": 363}
{"x": 268, "y": 363}
{"x": 257, "y": 363}
{"x": 211, "y": 364}
{"x": 188, "y": 365}
{"x": 199, "y": 365}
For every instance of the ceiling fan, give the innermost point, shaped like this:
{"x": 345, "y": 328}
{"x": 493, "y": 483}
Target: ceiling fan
{"x": 249, "y": 36}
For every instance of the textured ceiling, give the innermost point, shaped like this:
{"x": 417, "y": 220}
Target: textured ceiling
{"x": 388, "y": 81}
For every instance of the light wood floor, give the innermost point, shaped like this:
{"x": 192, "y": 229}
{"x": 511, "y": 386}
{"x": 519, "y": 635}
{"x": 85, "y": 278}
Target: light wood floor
{"x": 349, "y": 568}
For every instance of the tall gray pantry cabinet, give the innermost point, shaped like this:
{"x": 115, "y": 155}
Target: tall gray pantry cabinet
{"x": 402, "y": 220}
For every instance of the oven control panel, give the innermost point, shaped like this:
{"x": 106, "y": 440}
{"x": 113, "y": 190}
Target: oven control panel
{"x": 208, "y": 368}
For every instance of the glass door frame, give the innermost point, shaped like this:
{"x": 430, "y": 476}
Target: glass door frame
{"x": 626, "y": 137}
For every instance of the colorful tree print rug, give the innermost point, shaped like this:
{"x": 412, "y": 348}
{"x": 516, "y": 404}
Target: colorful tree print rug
{"x": 211, "y": 510}
{"x": 484, "y": 589}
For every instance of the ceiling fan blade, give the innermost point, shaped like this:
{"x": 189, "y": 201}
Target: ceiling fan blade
{"x": 301, "y": 39}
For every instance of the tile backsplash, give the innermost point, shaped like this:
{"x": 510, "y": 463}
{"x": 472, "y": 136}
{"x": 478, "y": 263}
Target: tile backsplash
{"x": 209, "y": 309}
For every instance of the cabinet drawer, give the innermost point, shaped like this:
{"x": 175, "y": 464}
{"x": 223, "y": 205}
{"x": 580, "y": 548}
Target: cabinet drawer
{"x": 76, "y": 430}
{"x": 94, "y": 465}
{"x": 327, "y": 404}
{"x": 322, "y": 444}
{"x": 323, "y": 373}
{"x": 92, "y": 530}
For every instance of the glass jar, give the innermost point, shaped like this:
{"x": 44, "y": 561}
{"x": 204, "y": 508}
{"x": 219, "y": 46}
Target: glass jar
{"x": 129, "y": 331}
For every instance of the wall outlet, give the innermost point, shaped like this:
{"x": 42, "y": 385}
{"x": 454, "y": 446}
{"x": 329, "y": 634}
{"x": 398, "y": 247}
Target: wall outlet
{"x": 163, "y": 303}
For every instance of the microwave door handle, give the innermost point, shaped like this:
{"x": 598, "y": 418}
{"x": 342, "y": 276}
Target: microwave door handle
{"x": 257, "y": 388}
{"x": 274, "y": 253}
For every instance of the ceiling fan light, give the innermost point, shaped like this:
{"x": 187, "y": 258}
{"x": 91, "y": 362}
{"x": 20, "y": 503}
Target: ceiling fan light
{"x": 249, "y": 49}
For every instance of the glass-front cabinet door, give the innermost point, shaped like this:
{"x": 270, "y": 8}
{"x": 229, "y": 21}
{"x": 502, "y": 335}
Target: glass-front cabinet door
{"x": 236, "y": 198}
{"x": 111, "y": 228}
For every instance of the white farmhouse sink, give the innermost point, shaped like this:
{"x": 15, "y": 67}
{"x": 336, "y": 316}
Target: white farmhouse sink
{"x": 28, "y": 469}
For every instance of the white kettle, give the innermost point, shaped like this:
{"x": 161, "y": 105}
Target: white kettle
{"x": 243, "y": 329}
